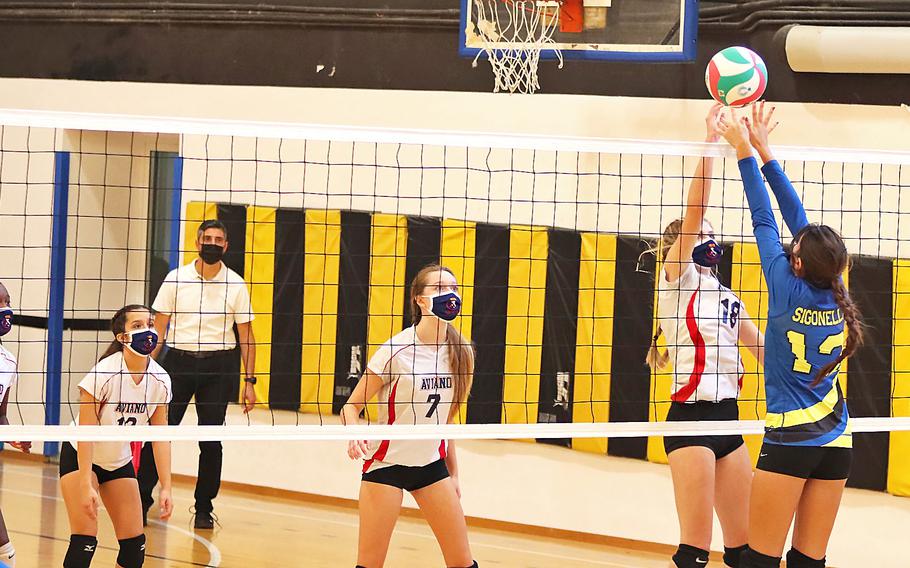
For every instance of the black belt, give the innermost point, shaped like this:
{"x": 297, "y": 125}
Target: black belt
{"x": 201, "y": 354}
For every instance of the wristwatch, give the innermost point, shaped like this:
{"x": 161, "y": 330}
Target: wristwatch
{"x": 250, "y": 380}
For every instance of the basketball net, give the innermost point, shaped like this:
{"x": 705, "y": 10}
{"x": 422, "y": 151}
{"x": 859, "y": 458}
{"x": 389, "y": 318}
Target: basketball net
{"x": 512, "y": 43}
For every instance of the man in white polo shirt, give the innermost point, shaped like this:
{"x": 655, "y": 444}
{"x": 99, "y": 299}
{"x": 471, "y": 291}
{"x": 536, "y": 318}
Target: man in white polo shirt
{"x": 196, "y": 309}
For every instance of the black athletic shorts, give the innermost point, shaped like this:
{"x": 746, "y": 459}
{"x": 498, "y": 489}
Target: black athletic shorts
{"x": 722, "y": 446}
{"x": 69, "y": 462}
{"x": 409, "y": 478}
{"x": 806, "y": 462}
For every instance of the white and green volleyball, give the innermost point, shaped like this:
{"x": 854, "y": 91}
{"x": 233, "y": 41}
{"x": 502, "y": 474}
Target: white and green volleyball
{"x": 736, "y": 76}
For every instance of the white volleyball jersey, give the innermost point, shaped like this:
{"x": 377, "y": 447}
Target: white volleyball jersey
{"x": 418, "y": 388}
{"x": 700, "y": 319}
{"x": 124, "y": 403}
{"x": 9, "y": 371}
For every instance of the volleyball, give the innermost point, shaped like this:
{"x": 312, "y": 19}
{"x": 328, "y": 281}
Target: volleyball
{"x": 736, "y": 76}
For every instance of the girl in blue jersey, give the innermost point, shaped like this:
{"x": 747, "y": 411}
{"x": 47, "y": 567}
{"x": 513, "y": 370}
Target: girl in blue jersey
{"x": 813, "y": 325}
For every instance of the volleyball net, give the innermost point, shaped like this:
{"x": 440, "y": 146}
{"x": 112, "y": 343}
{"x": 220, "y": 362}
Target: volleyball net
{"x": 549, "y": 239}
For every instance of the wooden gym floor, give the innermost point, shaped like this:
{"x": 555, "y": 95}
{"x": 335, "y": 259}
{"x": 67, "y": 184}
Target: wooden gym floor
{"x": 269, "y": 531}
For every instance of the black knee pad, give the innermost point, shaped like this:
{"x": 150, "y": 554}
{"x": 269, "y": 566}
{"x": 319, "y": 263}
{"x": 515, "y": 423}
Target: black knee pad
{"x": 80, "y": 551}
{"x": 751, "y": 559}
{"x": 471, "y": 566}
{"x": 690, "y": 557}
{"x": 132, "y": 552}
{"x": 731, "y": 555}
{"x": 796, "y": 559}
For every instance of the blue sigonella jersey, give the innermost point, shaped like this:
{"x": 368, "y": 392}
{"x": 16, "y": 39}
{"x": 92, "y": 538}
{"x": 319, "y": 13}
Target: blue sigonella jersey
{"x": 805, "y": 328}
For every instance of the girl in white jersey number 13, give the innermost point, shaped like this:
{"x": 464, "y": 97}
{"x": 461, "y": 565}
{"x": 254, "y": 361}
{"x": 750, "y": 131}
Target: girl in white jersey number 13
{"x": 703, "y": 322}
{"x": 126, "y": 388}
{"x": 422, "y": 375}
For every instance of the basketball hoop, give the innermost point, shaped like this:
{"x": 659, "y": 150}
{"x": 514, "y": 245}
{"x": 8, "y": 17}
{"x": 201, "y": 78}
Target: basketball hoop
{"x": 512, "y": 34}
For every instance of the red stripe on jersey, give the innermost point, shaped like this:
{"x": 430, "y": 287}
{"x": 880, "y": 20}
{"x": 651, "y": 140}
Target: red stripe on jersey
{"x": 384, "y": 445}
{"x": 698, "y": 341}
{"x": 442, "y": 449}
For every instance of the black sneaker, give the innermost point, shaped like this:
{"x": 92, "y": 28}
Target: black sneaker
{"x": 204, "y": 521}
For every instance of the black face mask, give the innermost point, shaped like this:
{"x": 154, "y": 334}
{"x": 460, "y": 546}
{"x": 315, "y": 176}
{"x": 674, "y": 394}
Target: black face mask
{"x": 211, "y": 254}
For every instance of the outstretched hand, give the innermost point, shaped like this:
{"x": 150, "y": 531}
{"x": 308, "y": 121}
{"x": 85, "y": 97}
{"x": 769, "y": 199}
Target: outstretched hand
{"x": 760, "y": 127}
{"x": 712, "y": 123}
{"x": 736, "y": 133}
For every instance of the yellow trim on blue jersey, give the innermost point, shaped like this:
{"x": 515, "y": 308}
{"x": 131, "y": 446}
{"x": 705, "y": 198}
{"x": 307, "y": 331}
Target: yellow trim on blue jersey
{"x": 801, "y": 416}
{"x": 845, "y": 440}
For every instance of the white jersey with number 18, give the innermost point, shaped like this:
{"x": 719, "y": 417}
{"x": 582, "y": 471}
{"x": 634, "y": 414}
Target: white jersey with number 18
{"x": 700, "y": 320}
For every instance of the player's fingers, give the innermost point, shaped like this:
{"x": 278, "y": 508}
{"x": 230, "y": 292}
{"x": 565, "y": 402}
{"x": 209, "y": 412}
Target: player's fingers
{"x": 770, "y": 114}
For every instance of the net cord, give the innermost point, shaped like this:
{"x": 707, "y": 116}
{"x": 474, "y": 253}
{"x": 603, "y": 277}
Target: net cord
{"x": 465, "y": 139}
{"x": 73, "y": 433}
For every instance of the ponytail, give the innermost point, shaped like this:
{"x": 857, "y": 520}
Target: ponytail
{"x": 655, "y": 359}
{"x": 853, "y": 325}
{"x": 461, "y": 360}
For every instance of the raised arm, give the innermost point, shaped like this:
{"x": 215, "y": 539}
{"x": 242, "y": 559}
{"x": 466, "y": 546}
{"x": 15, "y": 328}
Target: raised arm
{"x": 791, "y": 207}
{"x": 696, "y": 203}
{"x": 778, "y": 275}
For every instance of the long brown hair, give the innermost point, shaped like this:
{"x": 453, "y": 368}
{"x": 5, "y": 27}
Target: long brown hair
{"x": 824, "y": 258}
{"x": 461, "y": 350}
{"x": 655, "y": 359}
{"x": 118, "y": 326}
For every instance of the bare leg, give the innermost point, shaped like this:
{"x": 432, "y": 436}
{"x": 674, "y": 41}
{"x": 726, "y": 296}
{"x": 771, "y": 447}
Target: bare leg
{"x": 733, "y": 482}
{"x": 442, "y": 509}
{"x": 816, "y": 515}
{"x": 380, "y": 506}
{"x": 772, "y": 506}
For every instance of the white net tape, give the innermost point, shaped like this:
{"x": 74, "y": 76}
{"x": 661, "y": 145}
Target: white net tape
{"x": 513, "y": 44}
{"x": 235, "y": 432}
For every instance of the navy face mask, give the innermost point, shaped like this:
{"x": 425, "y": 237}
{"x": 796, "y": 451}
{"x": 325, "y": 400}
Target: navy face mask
{"x": 446, "y": 306}
{"x": 6, "y": 321}
{"x": 142, "y": 341}
{"x": 708, "y": 254}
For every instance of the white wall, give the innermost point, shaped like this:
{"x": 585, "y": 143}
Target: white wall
{"x": 106, "y": 240}
{"x": 26, "y": 207}
{"x": 612, "y": 193}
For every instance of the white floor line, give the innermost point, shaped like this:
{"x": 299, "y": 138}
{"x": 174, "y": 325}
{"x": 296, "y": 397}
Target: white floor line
{"x": 351, "y": 525}
{"x": 214, "y": 553}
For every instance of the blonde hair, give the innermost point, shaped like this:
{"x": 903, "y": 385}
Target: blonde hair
{"x": 461, "y": 350}
{"x": 656, "y": 359}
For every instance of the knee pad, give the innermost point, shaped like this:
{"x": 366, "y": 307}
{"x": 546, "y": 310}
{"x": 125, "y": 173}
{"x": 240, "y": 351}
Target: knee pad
{"x": 132, "y": 552}
{"x": 471, "y": 566}
{"x": 80, "y": 551}
{"x": 731, "y": 555}
{"x": 796, "y": 559}
{"x": 751, "y": 559}
{"x": 690, "y": 557}
{"x": 8, "y": 555}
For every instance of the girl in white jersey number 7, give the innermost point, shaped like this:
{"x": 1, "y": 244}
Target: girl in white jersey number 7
{"x": 703, "y": 322}
{"x": 420, "y": 376}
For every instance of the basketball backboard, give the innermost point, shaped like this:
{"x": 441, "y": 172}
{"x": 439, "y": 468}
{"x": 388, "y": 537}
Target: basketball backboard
{"x": 623, "y": 30}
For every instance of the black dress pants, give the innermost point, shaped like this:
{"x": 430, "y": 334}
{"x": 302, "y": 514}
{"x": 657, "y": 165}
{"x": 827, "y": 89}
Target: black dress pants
{"x": 209, "y": 380}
